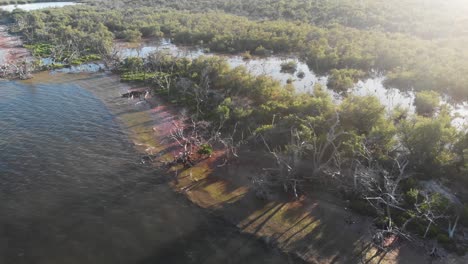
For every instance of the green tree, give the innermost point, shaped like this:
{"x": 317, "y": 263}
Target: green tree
{"x": 429, "y": 141}
{"x": 426, "y": 102}
{"x": 361, "y": 114}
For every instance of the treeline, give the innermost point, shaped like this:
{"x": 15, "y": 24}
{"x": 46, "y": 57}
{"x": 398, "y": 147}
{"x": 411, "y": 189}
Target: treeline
{"x": 371, "y": 157}
{"x": 408, "y": 62}
{"x": 426, "y": 19}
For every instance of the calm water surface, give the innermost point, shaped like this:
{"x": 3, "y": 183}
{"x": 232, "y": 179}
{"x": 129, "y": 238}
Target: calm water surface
{"x": 72, "y": 189}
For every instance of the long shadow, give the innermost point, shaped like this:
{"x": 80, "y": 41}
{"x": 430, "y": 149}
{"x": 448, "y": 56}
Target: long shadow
{"x": 331, "y": 239}
{"x": 259, "y": 216}
{"x": 217, "y": 241}
{"x": 260, "y": 226}
{"x": 286, "y": 241}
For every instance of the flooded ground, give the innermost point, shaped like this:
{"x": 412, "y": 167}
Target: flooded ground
{"x": 271, "y": 66}
{"x": 73, "y": 188}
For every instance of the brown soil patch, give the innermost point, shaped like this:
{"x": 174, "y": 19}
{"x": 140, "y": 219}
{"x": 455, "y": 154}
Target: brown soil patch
{"x": 11, "y": 49}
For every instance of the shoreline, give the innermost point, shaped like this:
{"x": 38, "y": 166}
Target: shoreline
{"x": 312, "y": 228}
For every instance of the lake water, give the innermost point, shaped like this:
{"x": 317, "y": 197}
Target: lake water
{"x": 35, "y": 6}
{"x": 73, "y": 189}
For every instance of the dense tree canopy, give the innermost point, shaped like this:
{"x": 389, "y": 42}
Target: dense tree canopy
{"x": 427, "y": 19}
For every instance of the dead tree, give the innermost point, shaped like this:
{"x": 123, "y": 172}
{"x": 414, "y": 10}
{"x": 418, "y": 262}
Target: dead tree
{"x": 323, "y": 152}
{"x": 189, "y": 136}
{"x": 285, "y": 172}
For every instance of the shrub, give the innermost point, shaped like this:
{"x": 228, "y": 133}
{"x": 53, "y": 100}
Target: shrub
{"x": 205, "y": 149}
{"x": 246, "y": 55}
{"x": 261, "y": 51}
{"x": 426, "y": 102}
{"x": 344, "y": 79}
{"x": 131, "y": 35}
{"x": 289, "y": 67}
{"x": 301, "y": 75}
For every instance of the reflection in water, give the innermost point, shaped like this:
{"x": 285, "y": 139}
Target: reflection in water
{"x": 72, "y": 188}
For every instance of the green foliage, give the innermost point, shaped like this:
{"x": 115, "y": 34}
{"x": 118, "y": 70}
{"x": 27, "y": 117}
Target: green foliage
{"x": 132, "y": 64}
{"x": 289, "y": 66}
{"x": 429, "y": 141}
{"x": 85, "y": 59}
{"x": 130, "y": 35}
{"x": 246, "y": 55}
{"x": 41, "y": 50}
{"x": 137, "y": 76}
{"x": 205, "y": 149}
{"x": 344, "y": 79}
{"x": 426, "y": 102}
{"x": 261, "y": 51}
{"x": 338, "y": 47}
{"x": 361, "y": 114}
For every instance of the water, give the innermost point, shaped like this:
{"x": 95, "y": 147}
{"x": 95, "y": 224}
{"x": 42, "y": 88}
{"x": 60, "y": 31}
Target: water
{"x": 35, "y": 6}
{"x": 73, "y": 190}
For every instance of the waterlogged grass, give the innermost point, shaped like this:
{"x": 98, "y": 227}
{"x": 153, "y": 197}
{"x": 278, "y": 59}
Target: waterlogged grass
{"x": 137, "y": 76}
{"x": 85, "y": 59}
{"x": 45, "y": 50}
{"x": 42, "y": 50}
{"x": 55, "y": 66}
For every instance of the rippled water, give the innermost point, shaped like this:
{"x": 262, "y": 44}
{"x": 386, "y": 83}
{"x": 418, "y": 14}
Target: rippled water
{"x": 72, "y": 189}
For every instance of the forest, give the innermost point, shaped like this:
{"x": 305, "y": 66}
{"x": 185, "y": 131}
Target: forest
{"x": 408, "y": 62}
{"x": 427, "y": 19}
{"x": 378, "y": 160}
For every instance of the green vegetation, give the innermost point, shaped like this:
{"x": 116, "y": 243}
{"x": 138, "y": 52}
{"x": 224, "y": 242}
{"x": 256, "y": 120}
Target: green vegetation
{"x": 427, "y": 19}
{"x": 354, "y": 145}
{"x": 289, "y": 67}
{"x": 41, "y": 50}
{"x": 343, "y": 80}
{"x": 260, "y": 110}
{"x": 426, "y": 102}
{"x": 205, "y": 150}
{"x": 409, "y": 62}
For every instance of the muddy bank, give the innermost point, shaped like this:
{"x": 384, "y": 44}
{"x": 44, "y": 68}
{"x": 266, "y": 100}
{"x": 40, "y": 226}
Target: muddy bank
{"x": 11, "y": 49}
